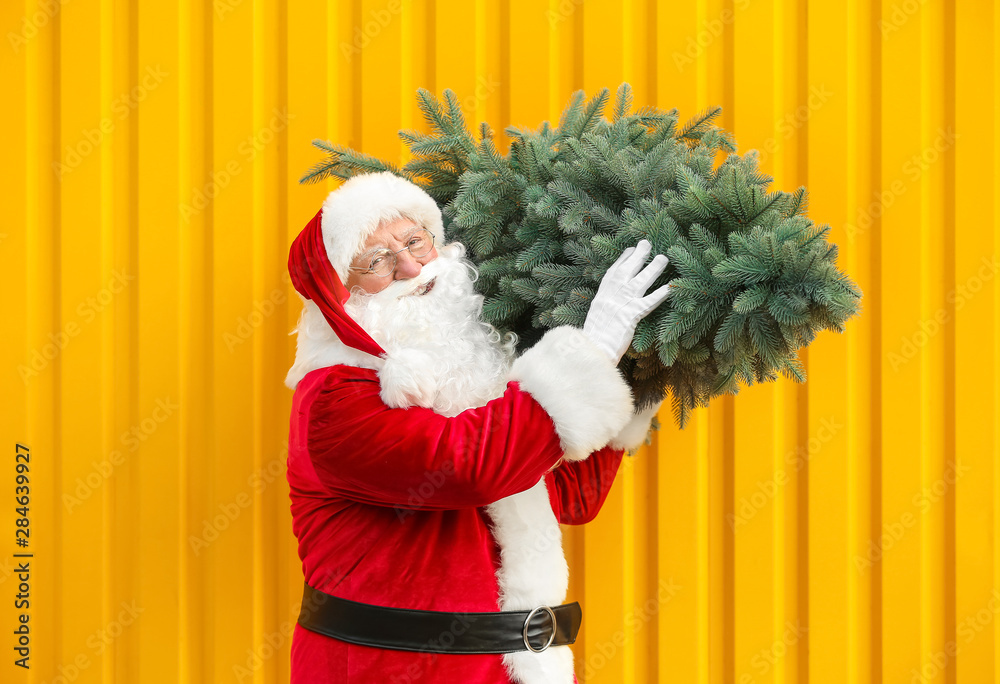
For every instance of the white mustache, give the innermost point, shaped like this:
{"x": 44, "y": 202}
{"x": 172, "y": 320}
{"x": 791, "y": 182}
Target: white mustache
{"x": 403, "y": 288}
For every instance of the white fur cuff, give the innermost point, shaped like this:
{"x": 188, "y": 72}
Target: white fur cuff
{"x": 578, "y": 386}
{"x": 633, "y": 435}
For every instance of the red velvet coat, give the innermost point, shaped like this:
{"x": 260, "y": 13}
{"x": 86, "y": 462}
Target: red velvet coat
{"x": 388, "y": 508}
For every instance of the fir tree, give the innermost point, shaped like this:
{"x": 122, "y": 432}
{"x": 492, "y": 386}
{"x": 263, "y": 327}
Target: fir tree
{"x": 754, "y": 279}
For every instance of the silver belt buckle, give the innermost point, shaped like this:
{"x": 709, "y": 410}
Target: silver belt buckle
{"x": 524, "y": 632}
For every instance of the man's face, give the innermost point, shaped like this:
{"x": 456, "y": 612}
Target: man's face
{"x": 393, "y": 236}
{"x": 440, "y": 354}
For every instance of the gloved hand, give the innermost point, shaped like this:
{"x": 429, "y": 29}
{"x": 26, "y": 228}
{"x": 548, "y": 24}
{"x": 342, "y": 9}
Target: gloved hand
{"x": 619, "y": 304}
{"x": 634, "y": 434}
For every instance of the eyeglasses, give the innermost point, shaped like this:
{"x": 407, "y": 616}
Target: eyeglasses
{"x": 383, "y": 261}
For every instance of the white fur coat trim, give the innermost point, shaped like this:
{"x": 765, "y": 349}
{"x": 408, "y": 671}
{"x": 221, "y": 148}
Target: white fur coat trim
{"x": 578, "y": 386}
{"x": 633, "y": 435}
{"x": 318, "y": 347}
{"x": 532, "y": 573}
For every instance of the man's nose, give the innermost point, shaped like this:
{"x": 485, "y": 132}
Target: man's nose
{"x": 407, "y": 265}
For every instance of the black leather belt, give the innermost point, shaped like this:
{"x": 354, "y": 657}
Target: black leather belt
{"x": 432, "y": 631}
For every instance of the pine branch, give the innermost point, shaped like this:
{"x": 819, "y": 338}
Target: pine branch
{"x": 753, "y": 278}
{"x": 343, "y": 163}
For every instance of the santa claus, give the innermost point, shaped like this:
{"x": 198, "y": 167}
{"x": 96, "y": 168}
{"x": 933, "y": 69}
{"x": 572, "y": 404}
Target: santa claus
{"x": 429, "y": 466}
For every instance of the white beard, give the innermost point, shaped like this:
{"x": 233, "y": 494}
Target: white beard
{"x": 439, "y": 354}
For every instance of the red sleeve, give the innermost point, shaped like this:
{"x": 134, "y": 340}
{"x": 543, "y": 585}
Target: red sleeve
{"x": 577, "y": 489}
{"x": 365, "y": 451}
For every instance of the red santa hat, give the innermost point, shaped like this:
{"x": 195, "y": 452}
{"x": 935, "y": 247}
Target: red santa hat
{"x": 352, "y": 212}
{"x": 321, "y": 254}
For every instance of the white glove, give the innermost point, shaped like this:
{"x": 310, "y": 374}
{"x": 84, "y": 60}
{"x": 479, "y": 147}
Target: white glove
{"x": 634, "y": 434}
{"x": 619, "y": 304}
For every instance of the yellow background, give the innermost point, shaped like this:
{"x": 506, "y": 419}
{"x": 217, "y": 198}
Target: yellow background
{"x": 844, "y": 530}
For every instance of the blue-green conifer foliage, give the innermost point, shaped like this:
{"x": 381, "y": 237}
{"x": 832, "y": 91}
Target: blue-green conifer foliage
{"x": 754, "y": 279}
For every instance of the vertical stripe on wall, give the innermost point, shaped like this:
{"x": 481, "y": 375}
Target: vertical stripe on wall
{"x": 841, "y": 530}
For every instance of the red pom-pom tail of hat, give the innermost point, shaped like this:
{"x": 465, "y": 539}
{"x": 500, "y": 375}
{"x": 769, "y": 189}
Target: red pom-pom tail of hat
{"x": 314, "y": 278}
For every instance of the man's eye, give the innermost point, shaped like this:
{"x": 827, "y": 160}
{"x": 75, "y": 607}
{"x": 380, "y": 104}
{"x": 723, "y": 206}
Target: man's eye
{"x": 416, "y": 242}
{"x": 376, "y": 261}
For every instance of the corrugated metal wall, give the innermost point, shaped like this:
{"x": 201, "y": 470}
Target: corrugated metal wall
{"x": 844, "y": 530}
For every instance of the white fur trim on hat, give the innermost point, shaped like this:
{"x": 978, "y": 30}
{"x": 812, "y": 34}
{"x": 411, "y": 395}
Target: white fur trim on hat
{"x": 352, "y": 212}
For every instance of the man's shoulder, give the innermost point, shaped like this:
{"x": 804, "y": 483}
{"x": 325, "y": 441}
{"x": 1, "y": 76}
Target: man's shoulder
{"x": 329, "y": 376}
{"x": 323, "y": 388}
